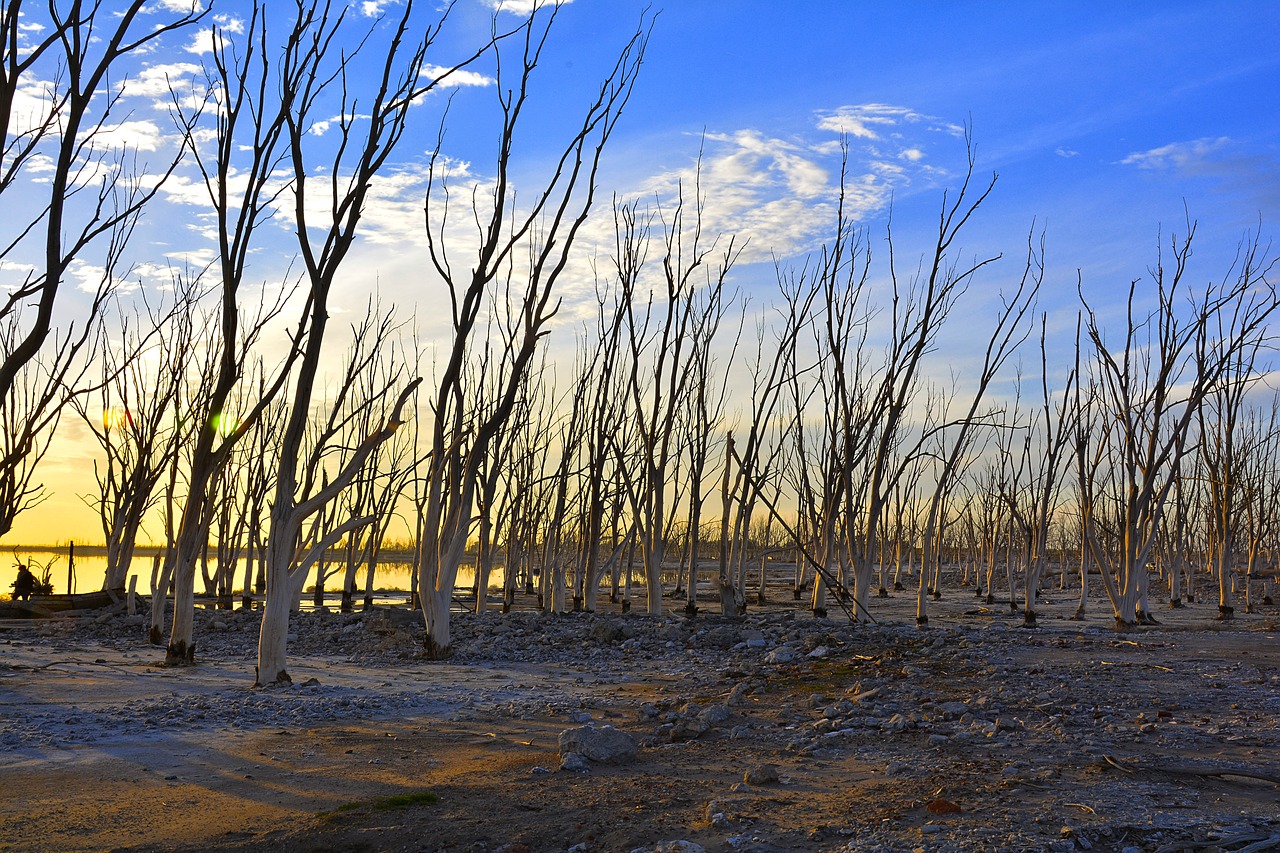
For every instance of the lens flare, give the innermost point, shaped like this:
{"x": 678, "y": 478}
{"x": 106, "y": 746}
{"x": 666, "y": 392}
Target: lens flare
{"x": 116, "y": 417}
{"x": 225, "y": 424}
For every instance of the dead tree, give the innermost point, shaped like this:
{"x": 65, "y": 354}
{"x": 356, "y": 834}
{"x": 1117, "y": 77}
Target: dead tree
{"x": 1176, "y": 349}
{"x": 1224, "y": 442}
{"x": 253, "y": 91}
{"x": 705, "y": 406}
{"x": 918, "y": 310}
{"x": 548, "y": 227}
{"x": 1009, "y": 333}
{"x": 84, "y": 204}
{"x": 324, "y": 242}
{"x": 604, "y": 421}
{"x": 1260, "y": 487}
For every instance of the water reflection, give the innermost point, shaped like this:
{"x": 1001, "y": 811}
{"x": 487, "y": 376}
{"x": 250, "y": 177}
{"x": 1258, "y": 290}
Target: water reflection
{"x": 391, "y": 579}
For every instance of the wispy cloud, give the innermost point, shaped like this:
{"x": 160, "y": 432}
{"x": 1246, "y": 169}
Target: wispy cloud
{"x": 456, "y": 77}
{"x": 878, "y": 121}
{"x": 772, "y": 192}
{"x": 157, "y": 81}
{"x": 321, "y": 127}
{"x": 1231, "y": 164}
{"x": 1066, "y": 152}
{"x": 180, "y": 6}
{"x": 1182, "y": 156}
{"x": 523, "y": 7}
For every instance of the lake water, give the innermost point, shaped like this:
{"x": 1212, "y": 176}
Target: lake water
{"x": 90, "y": 570}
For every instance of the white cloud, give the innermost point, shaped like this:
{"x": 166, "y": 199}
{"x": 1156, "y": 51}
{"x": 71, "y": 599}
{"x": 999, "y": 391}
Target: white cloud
{"x": 182, "y": 7}
{"x": 159, "y": 80}
{"x": 1066, "y": 152}
{"x": 133, "y": 135}
{"x": 321, "y": 127}
{"x": 1178, "y": 155}
{"x": 86, "y": 277}
{"x": 372, "y": 8}
{"x": 459, "y": 77}
{"x": 39, "y": 164}
{"x": 778, "y": 195}
{"x": 15, "y": 273}
{"x": 230, "y": 24}
{"x": 873, "y": 121}
{"x": 202, "y": 42}
{"x": 775, "y": 193}
{"x": 31, "y": 106}
{"x": 523, "y": 7}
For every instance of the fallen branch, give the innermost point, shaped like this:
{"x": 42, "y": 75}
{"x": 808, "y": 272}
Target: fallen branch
{"x": 1218, "y": 770}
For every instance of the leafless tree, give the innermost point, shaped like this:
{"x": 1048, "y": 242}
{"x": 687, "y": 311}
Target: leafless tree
{"x": 324, "y": 242}
{"x": 134, "y": 415}
{"x": 551, "y": 222}
{"x": 918, "y": 310}
{"x": 1176, "y": 349}
{"x": 1224, "y": 446}
{"x": 253, "y": 91}
{"x": 84, "y": 205}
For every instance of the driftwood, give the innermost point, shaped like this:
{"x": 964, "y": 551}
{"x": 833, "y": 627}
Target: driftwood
{"x": 1175, "y": 769}
{"x": 1254, "y": 842}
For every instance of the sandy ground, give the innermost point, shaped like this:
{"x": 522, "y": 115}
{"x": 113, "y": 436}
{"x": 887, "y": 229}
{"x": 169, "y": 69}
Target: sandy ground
{"x": 972, "y": 734}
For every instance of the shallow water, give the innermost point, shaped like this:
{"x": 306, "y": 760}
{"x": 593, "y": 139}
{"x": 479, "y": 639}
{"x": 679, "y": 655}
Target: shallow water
{"x": 89, "y": 570}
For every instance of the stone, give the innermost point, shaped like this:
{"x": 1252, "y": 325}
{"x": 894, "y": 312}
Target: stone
{"x": 688, "y": 728}
{"x": 574, "y": 762}
{"x": 763, "y": 774}
{"x": 781, "y": 654}
{"x": 608, "y": 631}
{"x": 678, "y": 847}
{"x": 601, "y": 744}
{"x": 715, "y": 715}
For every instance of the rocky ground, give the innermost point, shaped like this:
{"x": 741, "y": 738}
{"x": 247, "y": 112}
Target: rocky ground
{"x": 604, "y": 732}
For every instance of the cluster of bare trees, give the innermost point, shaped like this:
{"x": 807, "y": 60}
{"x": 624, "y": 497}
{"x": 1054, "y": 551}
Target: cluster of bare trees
{"x": 819, "y": 424}
{"x": 199, "y": 413}
{"x": 849, "y": 458}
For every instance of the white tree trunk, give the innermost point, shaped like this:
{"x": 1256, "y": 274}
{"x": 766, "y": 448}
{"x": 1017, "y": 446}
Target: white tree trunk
{"x": 435, "y": 610}
{"x": 862, "y": 578}
{"x": 1084, "y": 585}
{"x": 181, "y": 648}
{"x": 653, "y": 577}
{"x": 284, "y": 588}
{"x": 818, "y": 605}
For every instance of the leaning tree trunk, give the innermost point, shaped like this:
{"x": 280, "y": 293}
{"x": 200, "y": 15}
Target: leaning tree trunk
{"x": 284, "y": 588}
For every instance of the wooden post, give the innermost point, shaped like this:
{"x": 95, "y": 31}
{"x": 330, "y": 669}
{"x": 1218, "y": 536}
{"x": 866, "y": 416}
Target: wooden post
{"x": 133, "y": 595}
{"x": 71, "y": 565}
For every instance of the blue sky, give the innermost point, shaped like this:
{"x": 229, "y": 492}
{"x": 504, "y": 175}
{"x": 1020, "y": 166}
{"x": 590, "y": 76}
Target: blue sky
{"x": 1102, "y": 120}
